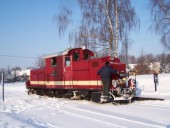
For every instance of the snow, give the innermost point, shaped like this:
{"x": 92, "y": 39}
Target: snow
{"x": 146, "y": 86}
{"x": 20, "y": 110}
{"x": 24, "y": 72}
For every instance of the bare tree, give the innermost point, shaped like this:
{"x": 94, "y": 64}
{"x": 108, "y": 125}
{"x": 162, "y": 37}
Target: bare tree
{"x": 16, "y": 68}
{"x": 150, "y": 58}
{"x": 81, "y": 39}
{"x": 160, "y": 13}
{"x": 15, "y": 72}
{"x": 132, "y": 59}
{"x": 8, "y": 70}
{"x": 163, "y": 63}
{"x": 40, "y": 62}
{"x": 103, "y": 22}
{"x": 126, "y": 43}
{"x": 30, "y": 67}
{"x": 168, "y": 58}
{"x": 143, "y": 65}
{"x": 63, "y": 19}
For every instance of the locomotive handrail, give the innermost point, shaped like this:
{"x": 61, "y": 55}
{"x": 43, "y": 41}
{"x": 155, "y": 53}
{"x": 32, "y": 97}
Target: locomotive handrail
{"x": 134, "y": 73}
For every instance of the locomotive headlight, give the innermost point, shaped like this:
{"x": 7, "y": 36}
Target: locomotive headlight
{"x": 114, "y": 83}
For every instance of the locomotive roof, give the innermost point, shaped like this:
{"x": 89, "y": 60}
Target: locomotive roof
{"x": 56, "y": 54}
{"x": 65, "y": 52}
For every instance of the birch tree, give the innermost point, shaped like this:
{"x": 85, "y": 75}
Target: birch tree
{"x": 103, "y": 23}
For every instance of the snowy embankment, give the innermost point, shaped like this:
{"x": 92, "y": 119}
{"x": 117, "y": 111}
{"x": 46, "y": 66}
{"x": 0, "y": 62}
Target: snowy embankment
{"x": 146, "y": 86}
{"x": 20, "y": 110}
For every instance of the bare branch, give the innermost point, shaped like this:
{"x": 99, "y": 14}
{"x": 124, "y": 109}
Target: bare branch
{"x": 103, "y": 21}
{"x": 160, "y": 12}
{"x": 63, "y": 20}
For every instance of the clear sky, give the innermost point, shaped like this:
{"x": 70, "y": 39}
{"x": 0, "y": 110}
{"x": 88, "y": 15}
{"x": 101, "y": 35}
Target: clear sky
{"x": 27, "y": 29}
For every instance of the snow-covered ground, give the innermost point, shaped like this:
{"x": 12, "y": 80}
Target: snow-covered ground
{"x": 20, "y": 110}
{"x": 146, "y": 86}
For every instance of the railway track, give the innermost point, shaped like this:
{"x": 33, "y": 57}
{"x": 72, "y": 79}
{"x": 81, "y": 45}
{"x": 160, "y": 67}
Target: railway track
{"x": 60, "y": 112}
{"x": 108, "y": 120}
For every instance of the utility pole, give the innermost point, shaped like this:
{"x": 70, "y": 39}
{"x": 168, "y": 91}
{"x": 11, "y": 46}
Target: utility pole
{"x": 2, "y": 86}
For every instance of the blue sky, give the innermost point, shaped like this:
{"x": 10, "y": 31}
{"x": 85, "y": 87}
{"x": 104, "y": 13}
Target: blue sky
{"x": 27, "y": 29}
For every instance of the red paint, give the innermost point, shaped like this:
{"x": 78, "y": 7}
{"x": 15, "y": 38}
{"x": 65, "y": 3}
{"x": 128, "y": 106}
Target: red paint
{"x": 67, "y": 68}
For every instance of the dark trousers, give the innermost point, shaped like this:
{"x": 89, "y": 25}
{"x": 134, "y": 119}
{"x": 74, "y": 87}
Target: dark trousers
{"x": 106, "y": 84}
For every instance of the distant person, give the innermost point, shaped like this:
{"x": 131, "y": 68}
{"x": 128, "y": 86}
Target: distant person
{"x": 105, "y": 73}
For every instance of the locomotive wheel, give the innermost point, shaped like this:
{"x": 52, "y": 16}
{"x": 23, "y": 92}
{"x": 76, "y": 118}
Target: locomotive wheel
{"x": 42, "y": 92}
{"x": 57, "y": 94}
{"x": 51, "y": 93}
{"x": 33, "y": 91}
{"x": 29, "y": 92}
{"x": 47, "y": 92}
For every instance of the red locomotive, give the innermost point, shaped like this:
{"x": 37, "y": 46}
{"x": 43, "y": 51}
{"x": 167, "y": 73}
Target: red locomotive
{"x": 73, "y": 73}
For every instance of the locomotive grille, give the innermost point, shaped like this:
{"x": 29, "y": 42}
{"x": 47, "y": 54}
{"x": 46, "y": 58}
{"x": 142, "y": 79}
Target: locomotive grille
{"x": 95, "y": 64}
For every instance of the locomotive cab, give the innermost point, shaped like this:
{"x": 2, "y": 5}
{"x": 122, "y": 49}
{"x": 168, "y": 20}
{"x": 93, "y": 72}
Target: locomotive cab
{"x": 79, "y": 54}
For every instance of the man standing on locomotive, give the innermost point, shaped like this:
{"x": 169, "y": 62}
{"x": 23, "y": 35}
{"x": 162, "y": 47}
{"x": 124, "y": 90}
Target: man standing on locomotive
{"x": 105, "y": 73}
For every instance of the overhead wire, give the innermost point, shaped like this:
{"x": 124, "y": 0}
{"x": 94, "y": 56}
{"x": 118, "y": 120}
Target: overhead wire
{"x": 14, "y": 56}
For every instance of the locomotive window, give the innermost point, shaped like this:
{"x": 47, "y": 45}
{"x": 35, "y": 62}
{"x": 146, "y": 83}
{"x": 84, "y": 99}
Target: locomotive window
{"x": 75, "y": 56}
{"x": 86, "y": 56}
{"x": 53, "y": 61}
{"x": 67, "y": 61}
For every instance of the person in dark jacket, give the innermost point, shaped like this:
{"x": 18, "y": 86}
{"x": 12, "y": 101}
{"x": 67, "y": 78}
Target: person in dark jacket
{"x": 105, "y": 73}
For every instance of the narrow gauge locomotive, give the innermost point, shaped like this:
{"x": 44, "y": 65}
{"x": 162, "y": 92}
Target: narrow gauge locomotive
{"x": 73, "y": 73}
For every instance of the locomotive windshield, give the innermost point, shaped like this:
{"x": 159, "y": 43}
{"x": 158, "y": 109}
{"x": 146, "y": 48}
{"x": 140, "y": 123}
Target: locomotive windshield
{"x": 86, "y": 56}
{"x": 75, "y": 56}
